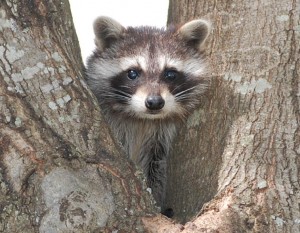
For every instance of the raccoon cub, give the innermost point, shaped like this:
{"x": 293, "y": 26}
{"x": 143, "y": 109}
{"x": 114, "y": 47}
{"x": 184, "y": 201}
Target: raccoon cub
{"x": 147, "y": 81}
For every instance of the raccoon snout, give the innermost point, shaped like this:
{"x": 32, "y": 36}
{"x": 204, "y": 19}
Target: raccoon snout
{"x": 155, "y": 102}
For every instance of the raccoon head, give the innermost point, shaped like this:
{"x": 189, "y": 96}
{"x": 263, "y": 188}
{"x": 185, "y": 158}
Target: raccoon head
{"x": 148, "y": 73}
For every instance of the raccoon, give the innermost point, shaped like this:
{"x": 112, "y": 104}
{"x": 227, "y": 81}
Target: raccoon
{"x": 147, "y": 81}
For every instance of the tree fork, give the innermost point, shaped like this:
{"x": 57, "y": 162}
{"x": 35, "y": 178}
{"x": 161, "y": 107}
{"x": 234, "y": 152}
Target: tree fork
{"x": 237, "y": 161}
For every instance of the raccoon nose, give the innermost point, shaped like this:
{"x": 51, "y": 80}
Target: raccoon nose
{"x": 154, "y": 102}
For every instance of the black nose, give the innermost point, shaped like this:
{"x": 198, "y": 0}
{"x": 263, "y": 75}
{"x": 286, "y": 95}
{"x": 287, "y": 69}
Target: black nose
{"x": 154, "y": 102}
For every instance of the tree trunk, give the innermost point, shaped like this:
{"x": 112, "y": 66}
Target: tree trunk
{"x": 60, "y": 170}
{"x": 242, "y": 147}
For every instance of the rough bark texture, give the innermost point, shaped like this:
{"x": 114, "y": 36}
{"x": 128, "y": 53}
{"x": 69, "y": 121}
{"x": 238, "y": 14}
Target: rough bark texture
{"x": 59, "y": 169}
{"x": 243, "y": 145}
{"x": 61, "y": 172}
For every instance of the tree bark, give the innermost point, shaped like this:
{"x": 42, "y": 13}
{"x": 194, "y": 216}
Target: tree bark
{"x": 60, "y": 169}
{"x": 242, "y": 147}
{"x": 237, "y": 160}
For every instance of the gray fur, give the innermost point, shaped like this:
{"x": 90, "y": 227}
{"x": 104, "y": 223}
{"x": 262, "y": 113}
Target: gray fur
{"x": 147, "y": 136}
{"x": 197, "y": 31}
{"x": 106, "y": 30}
{"x": 141, "y": 137}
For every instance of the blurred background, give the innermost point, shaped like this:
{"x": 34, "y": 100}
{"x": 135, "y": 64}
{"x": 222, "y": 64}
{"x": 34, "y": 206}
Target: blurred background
{"x": 128, "y": 13}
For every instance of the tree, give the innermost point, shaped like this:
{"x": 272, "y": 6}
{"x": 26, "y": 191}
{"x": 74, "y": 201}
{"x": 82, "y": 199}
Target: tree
{"x": 62, "y": 172}
{"x": 242, "y": 146}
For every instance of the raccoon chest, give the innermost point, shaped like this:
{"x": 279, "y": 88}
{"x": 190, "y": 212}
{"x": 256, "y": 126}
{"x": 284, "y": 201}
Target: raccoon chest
{"x": 145, "y": 141}
{"x": 138, "y": 139}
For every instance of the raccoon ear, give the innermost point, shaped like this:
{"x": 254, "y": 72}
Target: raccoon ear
{"x": 107, "y": 31}
{"x": 195, "y": 32}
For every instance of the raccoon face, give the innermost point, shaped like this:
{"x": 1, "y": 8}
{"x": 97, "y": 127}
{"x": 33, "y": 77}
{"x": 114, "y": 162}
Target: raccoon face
{"x": 148, "y": 73}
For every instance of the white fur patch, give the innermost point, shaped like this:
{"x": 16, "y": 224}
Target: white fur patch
{"x": 174, "y": 63}
{"x": 191, "y": 66}
{"x": 170, "y": 103}
{"x": 143, "y": 62}
{"x": 107, "y": 69}
{"x": 110, "y": 68}
{"x": 130, "y": 62}
{"x": 137, "y": 105}
{"x": 164, "y": 62}
{"x": 194, "y": 67}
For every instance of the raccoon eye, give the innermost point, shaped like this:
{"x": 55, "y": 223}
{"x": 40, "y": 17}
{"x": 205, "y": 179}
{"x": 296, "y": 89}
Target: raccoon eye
{"x": 170, "y": 74}
{"x": 132, "y": 74}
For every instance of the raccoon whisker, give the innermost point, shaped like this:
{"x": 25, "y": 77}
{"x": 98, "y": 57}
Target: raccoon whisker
{"x": 184, "y": 96}
{"x": 124, "y": 94}
{"x": 124, "y": 86}
{"x": 114, "y": 96}
{"x": 145, "y": 114}
{"x": 184, "y": 92}
{"x": 115, "y": 89}
{"x": 177, "y": 87}
{"x": 119, "y": 92}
